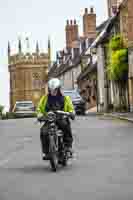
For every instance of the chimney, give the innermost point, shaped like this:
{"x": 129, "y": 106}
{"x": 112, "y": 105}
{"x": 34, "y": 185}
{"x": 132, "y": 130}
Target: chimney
{"x": 112, "y": 7}
{"x": 86, "y": 10}
{"x": 9, "y": 49}
{"x": 72, "y": 33}
{"x": 89, "y": 23}
{"x": 91, "y": 10}
{"x": 37, "y": 47}
{"x": 75, "y": 35}
{"x": 19, "y": 46}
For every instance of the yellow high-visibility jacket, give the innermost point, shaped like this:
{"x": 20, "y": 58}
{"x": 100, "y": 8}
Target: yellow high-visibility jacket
{"x": 68, "y": 105}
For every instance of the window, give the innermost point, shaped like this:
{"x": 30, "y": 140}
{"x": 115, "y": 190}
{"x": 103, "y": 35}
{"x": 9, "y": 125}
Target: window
{"x": 36, "y": 82}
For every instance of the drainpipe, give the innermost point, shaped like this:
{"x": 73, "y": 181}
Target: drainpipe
{"x": 106, "y": 85}
{"x": 97, "y": 99}
{"x": 72, "y": 80}
{"x": 128, "y": 95}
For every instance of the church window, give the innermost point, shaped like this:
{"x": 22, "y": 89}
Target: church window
{"x": 36, "y": 77}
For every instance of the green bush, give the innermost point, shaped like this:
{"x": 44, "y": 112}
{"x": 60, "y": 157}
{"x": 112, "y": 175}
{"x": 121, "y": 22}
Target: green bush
{"x": 10, "y": 115}
{"x": 1, "y": 109}
{"x": 4, "y": 116}
{"x": 120, "y": 108}
{"x": 118, "y": 59}
{"x": 110, "y": 107}
{"x": 116, "y": 42}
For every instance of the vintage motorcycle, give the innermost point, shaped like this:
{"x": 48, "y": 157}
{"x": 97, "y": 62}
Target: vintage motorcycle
{"x": 57, "y": 152}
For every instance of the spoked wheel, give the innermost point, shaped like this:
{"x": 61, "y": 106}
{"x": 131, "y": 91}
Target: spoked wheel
{"x": 54, "y": 161}
{"x": 64, "y": 159}
{"x": 53, "y": 147}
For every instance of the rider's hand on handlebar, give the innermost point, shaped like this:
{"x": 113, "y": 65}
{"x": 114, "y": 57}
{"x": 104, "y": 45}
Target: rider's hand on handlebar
{"x": 39, "y": 117}
{"x": 72, "y": 116}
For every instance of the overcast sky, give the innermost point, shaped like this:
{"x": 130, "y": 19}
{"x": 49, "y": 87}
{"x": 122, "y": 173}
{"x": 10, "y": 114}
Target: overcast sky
{"x": 37, "y": 19}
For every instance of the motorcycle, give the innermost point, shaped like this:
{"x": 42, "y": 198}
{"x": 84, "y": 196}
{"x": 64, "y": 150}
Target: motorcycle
{"x": 57, "y": 152}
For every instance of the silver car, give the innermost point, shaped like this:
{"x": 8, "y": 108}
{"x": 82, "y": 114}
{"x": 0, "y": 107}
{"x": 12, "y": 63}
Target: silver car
{"x": 24, "y": 109}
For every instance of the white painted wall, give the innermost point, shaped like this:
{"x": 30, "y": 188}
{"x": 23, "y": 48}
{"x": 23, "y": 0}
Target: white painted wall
{"x": 100, "y": 73}
{"x": 69, "y": 78}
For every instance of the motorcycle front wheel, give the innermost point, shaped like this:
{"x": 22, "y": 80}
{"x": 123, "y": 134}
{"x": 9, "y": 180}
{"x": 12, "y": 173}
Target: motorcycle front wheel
{"x": 53, "y": 154}
{"x": 54, "y": 162}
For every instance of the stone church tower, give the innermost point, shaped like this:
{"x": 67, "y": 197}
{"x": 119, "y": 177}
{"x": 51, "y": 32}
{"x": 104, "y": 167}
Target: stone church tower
{"x": 28, "y": 74}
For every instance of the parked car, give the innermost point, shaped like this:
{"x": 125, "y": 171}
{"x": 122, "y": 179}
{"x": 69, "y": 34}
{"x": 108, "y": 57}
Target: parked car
{"x": 78, "y": 102}
{"x": 24, "y": 109}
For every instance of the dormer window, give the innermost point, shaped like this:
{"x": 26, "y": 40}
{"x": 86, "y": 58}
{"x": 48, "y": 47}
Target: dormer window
{"x": 114, "y": 9}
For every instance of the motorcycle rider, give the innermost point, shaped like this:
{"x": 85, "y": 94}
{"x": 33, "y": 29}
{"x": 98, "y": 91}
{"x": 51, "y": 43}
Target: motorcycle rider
{"x": 55, "y": 100}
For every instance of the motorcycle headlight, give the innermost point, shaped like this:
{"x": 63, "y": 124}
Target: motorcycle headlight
{"x": 51, "y": 116}
{"x": 52, "y": 125}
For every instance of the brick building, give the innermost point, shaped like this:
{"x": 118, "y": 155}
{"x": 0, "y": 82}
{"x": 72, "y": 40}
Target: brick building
{"x": 28, "y": 74}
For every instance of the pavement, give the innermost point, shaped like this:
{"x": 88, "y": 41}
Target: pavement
{"x": 123, "y": 116}
{"x": 102, "y": 168}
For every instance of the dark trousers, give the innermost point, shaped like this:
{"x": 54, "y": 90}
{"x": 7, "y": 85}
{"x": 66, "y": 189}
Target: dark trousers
{"x": 63, "y": 125}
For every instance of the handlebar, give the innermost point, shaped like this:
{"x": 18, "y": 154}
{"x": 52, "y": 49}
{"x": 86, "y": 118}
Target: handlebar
{"x": 67, "y": 114}
{"x": 62, "y": 113}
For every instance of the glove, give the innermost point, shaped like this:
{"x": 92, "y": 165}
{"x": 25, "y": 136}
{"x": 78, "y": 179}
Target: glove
{"x": 72, "y": 116}
{"x": 39, "y": 116}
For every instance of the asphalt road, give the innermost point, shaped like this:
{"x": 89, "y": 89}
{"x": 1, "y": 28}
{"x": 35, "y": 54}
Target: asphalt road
{"x": 102, "y": 168}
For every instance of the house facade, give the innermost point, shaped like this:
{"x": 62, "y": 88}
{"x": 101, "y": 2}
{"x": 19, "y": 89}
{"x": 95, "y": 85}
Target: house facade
{"x": 68, "y": 61}
{"x": 108, "y": 95}
{"x": 87, "y": 84}
{"x": 130, "y": 50}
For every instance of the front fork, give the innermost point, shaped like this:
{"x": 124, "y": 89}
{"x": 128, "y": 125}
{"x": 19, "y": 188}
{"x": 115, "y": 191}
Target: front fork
{"x": 53, "y": 143}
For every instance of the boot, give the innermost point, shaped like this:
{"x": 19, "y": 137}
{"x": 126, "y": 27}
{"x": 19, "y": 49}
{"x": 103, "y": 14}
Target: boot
{"x": 45, "y": 156}
{"x": 69, "y": 151}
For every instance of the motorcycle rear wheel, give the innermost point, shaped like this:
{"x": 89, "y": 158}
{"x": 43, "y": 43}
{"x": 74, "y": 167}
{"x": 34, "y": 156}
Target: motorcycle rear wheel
{"x": 64, "y": 162}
